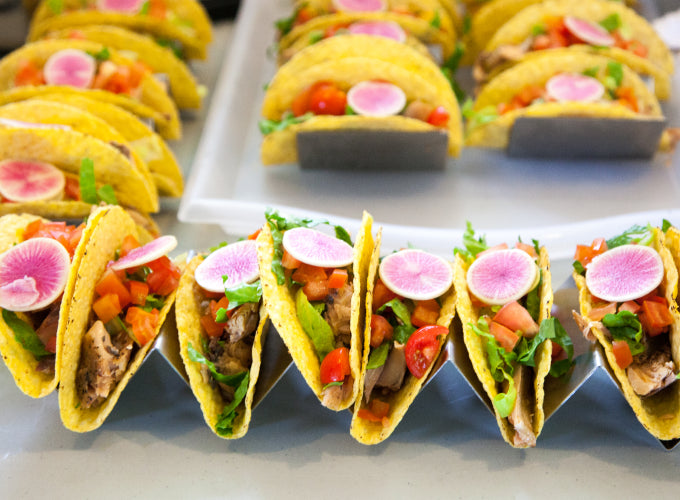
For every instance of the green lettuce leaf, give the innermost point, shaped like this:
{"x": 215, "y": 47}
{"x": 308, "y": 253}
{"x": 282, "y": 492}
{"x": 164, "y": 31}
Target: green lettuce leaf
{"x": 25, "y": 334}
{"x": 230, "y": 380}
{"x": 288, "y": 119}
{"x": 640, "y": 235}
{"x": 378, "y": 356}
{"x": 225, "y": 421}
{"x": 473, "y": 245}
{"x": 247, "y": 292}
{"x": 505, "y": 402}
{"x": 402, "y": 332}
{"x": 318, "y": 330}
{"x": 611, "y": 22}
{"x": 624, "y": 325}
{"x": 501, "y": 362}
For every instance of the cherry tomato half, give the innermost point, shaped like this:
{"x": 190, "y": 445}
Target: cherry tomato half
{"x": 422, "y": 347}
{"x": 335, "y": 366}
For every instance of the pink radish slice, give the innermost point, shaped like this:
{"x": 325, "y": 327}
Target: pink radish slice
{"x": 8, "y": 122}
{"x": 317, "y": 249}
{"x": 625, "y": 273}
{"x": 125, "y": 6}
{"x": 147, "y": 253}
{"x": 238, "y": 262}
{"x": 30, "y": 180}
{"x": 33, "y": 274}
{"x": 385, "y": 29}
{"x": 574, "y": 87}
{"x": 71, "y": 67}
{"x": 376, "y": 99}
{"x": 589, "y": 32}
{"x": 415, "y": 274}
{"x": 502, "y": 276}
{"x": 360, "y": 5}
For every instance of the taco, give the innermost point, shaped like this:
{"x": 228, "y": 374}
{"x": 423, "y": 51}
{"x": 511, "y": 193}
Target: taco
{"x": 627, "y": 292}
{"x": 598, "y": 27}
{"x": 504, "y": 302}
{"x": 310, "y": 92}
{"x": 92, "y": 69}
{"x": 220, "y": 327}
{"x": 59, "y": 156}
{"x": 559, "y": 83}
{"x": 184, "y": 25}
{"x": 314, "y": 300}
{"x": 409, "y": 308}
{"x": 165, "y": 171}
{"x": 116, "y": 314}
{"x": 35, "y": 318}
{"x": 163, "y": 62}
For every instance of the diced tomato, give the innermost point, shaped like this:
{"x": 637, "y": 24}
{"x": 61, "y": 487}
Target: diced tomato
{"x": 306, "y": 273}
{"x": 515, "y": 317}
{"x": 68, "y": 236}
{"x": 289, "y": 262}
{"x": 438, "y": 117}
{"x": 138, "y": 292}
{"x": 107, "y": 307}
{"x": 211, "y": 328}
{"x": 76, "y": 35}
{"x": 637, "y": 48}
{"x": 144, "y": 324}
{"x": 136, "y": 74}
{"x": 304, "y": 15}
{"x": 328, "y": 100}
{"x": 422, "y": 347}
{"x": 333, "y": 30}
{"x": 377, "y": 411}
{"x": 597, "y": 313}
{"x": 381, "y": 295}
{"x": 164, "y": 276}
{"x": 626, "y": 97}
{"x": 129, "y": 243}
{"x": 527, "y": 248}
{"x": 335, "y": 366}
{"x": 647, "y": 326}
{"x": 31, "y": 229}
{"x": 529, "y": 93}
{"x": 215, "y": 306}
{"x": 157, "y": 9}
{"x": 74, "y": 238}
{"x": 658, "y": 317}
{"x": 111, "y": 283}
{"x": 301, "y": 103}
{"x": 630, "y": 306}
{"x": 622, "y": 353}
{"x": 28, "y": 73}
{"x": 541, "y": 42}
{"x": 585, "y": 254}
{"x": 502, "y": 246}
{"x": 72, "y": 188}
{"x": 426, "y": 312}
{"x": 505, "y": 337}
{"x": 51, "y": 345}
{"x": 556, "y": 350}
{"x": 380, "y": 330}
{"x": 316, "y": 290}
{"x": 653, "y": 296}
{"x": 253, "y": 236}
{"x": 338, "y": 278}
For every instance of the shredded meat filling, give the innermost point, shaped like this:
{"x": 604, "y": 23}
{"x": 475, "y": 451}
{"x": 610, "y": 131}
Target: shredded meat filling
{"x": 521, "y": 417}
{"x": 338, "y": 313}
{"x": 103, "y": 362}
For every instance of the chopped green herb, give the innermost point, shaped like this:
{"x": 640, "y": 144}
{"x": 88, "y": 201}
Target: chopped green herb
{"x": 403, "y": 331}
{"x": 288, "y": 119}
{"x": 349, "y": 111}
{"x": 611, "y": 22}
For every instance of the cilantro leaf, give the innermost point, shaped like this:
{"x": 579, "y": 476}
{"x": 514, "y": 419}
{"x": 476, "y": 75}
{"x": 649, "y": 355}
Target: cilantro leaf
{"x": 25, "y": 334}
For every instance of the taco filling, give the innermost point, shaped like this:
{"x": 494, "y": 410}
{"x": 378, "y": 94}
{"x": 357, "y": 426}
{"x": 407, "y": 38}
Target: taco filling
{"x": 638, "y": 325}
{"x": 35, "y": 328}
{"x": 126, "y": 309}
{"x": 560, "y": 32}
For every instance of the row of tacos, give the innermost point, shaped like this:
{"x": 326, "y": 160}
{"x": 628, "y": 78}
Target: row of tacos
{"x": 364, "y": 329}
{"x": 531, "y": 59}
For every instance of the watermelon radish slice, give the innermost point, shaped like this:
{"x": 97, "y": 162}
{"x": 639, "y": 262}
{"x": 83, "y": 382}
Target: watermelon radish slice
{"x": 238, "y": 262}
{"x": 415, "y": 274}
{"x": 574, "y": 87}
{"x": 317, "y": 249}
{"x": 376, "y": 99}
{"x": 33, "y": 274}
{"x": 625, "y": 273}
{"x": 71, "y": 67}
{"x": 589, "y": 32}
{"x": 125, "y": 6}
{"x": 385, "y": 29}
{"x": 502, "y": 276}
{"x": 30, "y": 181}
{"x": 359, "y": 5}
{"x": 147, "y": 253}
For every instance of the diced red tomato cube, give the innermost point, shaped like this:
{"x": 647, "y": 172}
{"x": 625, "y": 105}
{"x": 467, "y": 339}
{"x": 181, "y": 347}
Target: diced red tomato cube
{"x": 107, "y": 307}
{"x": 338, "y": 278}
{"x": 380, "y": 330}
{"x": 426, "y": 312}
{"x": 138, "y": 292}
{"x": 622, "y": 353}
{"x": 110, "y": 283}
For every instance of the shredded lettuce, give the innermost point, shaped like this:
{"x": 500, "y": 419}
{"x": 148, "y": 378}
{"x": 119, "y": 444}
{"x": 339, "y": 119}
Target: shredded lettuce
{"x": 479, "y": 117}
{"x": 640, "y": 235}
{"x": 472, "y": 246}
{"x": 25, "y": 334}
{"x": 288, "y": 119}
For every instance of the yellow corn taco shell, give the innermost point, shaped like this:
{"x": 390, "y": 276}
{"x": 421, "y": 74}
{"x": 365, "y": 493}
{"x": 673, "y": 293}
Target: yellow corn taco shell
{"x": 658, "y": 64}
{"x": 184, "y": 88}
{"x": 66, "y": 149}
{"x": 185, "y": 22}
{"x": 365, "y": 431}
{"x": 348, "y": 71}
{"x": 475, "y": 345}
{"x": 165, "y": 171}
{"x": 113, "y": 225}
{"x": 150, "y": 100}
{"x": 658, "y": 413}
{"x": 279, "y": 303}
{"x": 54, "y": 113}
{"x": 188, "y": 313}
{"x": 301, "y": 36}
{"x": 537, "y": 71}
